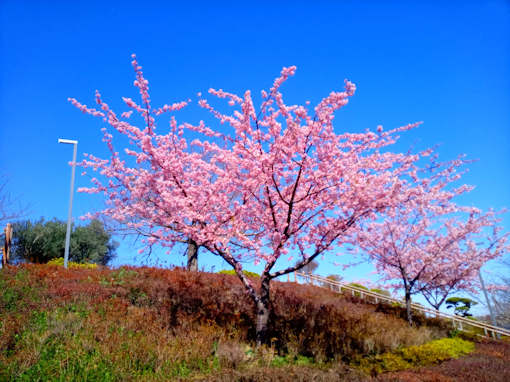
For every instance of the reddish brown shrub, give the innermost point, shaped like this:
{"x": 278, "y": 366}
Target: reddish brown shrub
{"x": 305, "y": 320}
{"x": 290, "y": 374}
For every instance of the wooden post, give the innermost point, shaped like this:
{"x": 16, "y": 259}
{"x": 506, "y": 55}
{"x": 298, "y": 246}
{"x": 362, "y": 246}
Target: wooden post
{"x": 295, "y": 277}
{"x": 7, "y": 244}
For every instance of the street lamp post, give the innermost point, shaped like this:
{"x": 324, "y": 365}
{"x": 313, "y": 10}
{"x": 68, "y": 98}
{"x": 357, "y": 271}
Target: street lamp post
{"x": 70, "y": 212}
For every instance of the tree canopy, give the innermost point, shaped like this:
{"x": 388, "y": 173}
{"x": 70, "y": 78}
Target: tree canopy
{"x": 461, "y": 305}
{"x": 274, "y": 183}
{"x": 41, "y": 241}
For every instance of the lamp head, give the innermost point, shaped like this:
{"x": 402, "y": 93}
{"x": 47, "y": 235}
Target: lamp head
{"x": 67, "y": 141}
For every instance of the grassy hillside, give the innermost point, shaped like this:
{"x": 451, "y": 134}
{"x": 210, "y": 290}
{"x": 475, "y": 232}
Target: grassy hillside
{"x": 155, "y": 324}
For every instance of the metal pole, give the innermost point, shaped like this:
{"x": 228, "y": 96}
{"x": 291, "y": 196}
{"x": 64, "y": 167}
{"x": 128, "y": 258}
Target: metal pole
{"x": 493, "y": 319}
{"x": 70, "y": 212}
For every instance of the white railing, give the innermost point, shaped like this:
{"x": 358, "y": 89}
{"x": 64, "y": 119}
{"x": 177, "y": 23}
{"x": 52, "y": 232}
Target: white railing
{"x": 460, "y": 323}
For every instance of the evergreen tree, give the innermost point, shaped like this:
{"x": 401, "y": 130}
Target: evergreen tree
{"x": 42, "y": 241}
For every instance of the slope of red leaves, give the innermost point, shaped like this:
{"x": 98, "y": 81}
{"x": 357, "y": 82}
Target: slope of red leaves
{"x": 306, "y": 320}
{"x": 150, "y": 320}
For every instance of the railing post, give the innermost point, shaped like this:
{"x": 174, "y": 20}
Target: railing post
{"x": 457, "y": 322}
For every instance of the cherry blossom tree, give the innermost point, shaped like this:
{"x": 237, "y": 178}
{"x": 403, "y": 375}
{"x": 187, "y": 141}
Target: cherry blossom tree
{"x": 430, "y": 244}
{"x": 462, "y": 274}
{"x": 276, "y": 182}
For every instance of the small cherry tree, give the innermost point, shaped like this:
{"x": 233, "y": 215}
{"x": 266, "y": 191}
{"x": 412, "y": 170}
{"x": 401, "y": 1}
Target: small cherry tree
{"x": 282, "y": 184}
{"x": 307, "y": 186}
{"x": 462, "y": 272}
{"x": 429, "y": 245}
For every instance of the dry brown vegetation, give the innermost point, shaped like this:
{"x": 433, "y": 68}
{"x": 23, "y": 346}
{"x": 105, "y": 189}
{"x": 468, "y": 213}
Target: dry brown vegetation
{"x": 156, "y": 324}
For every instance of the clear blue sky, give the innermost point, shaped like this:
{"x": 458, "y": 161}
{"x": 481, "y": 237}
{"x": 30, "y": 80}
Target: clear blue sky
{"x": 444, "y": 63}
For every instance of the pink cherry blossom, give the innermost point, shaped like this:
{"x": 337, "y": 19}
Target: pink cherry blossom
{"x": 284, "y": 183}
{"x": 430, "y": 244}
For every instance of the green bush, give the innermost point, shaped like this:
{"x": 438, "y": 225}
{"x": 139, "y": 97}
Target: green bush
{"x": 414, "y": 356}
{"x": 232, "y": 272}
{"x": 461, "y": 305}
{"x": 381, "y": 291}
{"x": 358, "y": 286}
{"x": 437, "y": 351}
{"x": 41, "y": 241}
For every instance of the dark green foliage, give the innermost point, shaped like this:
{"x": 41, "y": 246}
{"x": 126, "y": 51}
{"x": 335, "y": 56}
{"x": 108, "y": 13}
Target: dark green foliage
{"x": 38, "y": 242}
{"x": 42, "y": 241}
{"x": 92, "y": 244}
{"x": 461, "y": 305}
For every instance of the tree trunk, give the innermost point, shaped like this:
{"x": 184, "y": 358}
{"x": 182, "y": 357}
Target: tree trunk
{"x": 408, "y": 307}
{"x": 263, "y": 310}
{"x": 192, "y": 253}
